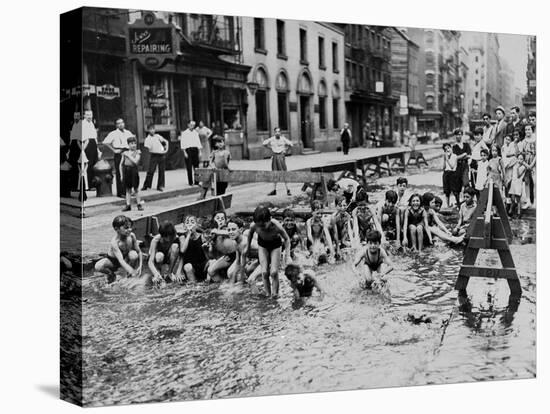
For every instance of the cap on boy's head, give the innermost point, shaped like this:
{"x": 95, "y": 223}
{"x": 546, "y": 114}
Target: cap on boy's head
{"x": 120, "y": 221}
{"x": 501, "y": 109}
{"x": 391, "y": 196}
{"x": 402, "y": 180}
{"x": 292, "y": 270}
{"x": 478, "y": 131}
{"x": 374, "y": 236}
{"x": 167, "y": 229}
{"x": 261, "y": 215}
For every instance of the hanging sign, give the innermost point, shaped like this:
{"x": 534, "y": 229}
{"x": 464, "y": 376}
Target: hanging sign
{"x": 107, "y": 92}
{"x": 151, "y": 41}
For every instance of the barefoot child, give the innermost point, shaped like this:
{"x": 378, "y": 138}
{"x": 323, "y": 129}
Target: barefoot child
{"x": 466, "y": 212}
{"x": 291, "y": 228}
{"x": 374, "y": 256}
{"x": 319, "y": 240}
{"x": 123, "y": 251}
{"x": 192, "y": 258}
{"x": 416, "y": 222}
{"x": 364, "y": 221}
{"x": 516, "y": 186}
{"x": 223, "y": 249}
{"x": 129, "y": 171}
{"x": 164, "y": 249}
{"x": 219, "y": 159}
{"x": 495, "y": 169}
{"x": 450, "y": 183}
{"x": 236, "y": 271}
{"x": 482, "y": 171}
{"x": 388, "y": 216}
{"x": 301, "y": 282}
{"x": 271, "y": 236}
{"x": 432, "y": 205}
{"x": 342, "y": 223}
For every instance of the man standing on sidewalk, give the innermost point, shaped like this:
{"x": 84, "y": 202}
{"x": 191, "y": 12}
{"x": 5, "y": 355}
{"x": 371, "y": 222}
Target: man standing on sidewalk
{"x": 158, "y": 147}
{"x": 191, "y": 146}
{"x": 117, "y": 141}
{"x": 345, "y": 137}
{"x": 278, "y": 145}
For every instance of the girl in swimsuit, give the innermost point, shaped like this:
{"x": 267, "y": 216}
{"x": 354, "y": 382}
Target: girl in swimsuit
{"x": 302, "y": 283}
{"x": 373, "y": 256}
{"x": 416, "y": 220}
{"x": 192, "y": 262}
{"x": 271, "y": 236}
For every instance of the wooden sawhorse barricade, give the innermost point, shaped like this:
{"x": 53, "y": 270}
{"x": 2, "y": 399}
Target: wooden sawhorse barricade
{"x": 146, "y": 227}
{"x": 262, "y": 176}
{"x": 489, "y": 231}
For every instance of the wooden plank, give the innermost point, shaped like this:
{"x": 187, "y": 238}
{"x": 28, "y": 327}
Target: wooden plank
{"x": 246, "y": 176}
{"x": 461, "y": 283}
{"x": 470, "y": 256}
{"x": 490, "y": 272}
{"x": 501, "y": 211}
{"x": 495, "y": 243}
{"x": 336, "y": 167}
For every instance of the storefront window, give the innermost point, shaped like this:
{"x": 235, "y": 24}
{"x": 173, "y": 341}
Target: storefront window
{"x": 157, "y": 102}
{"x": 232, "y": 118}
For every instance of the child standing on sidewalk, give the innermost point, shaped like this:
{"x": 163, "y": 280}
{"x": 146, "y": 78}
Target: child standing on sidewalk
{"x": 129, "y": 173}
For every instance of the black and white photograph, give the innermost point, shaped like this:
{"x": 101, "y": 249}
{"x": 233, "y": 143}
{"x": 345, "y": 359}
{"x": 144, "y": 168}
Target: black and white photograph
{"x": 256, "y": 206}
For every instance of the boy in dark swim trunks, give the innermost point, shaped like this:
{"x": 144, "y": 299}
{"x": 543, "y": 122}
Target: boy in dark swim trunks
{"x": 164, "y": 249}
{"x": 302, "y": 283}
{"x": 291, "y": 228}
{"x": 236, "y": 271}
{"x": 271, "y": 236}
{"x": 374, "y": 257}
{"x": 123, "y": 251}
{"x": 389, "y": 217}
{"x": 192, "y": 259}
{"x": 364, "y": 220}
{"x": 342, "y": 222}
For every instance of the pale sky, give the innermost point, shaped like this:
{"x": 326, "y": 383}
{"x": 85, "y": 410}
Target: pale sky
{"x": 513, "y": 48}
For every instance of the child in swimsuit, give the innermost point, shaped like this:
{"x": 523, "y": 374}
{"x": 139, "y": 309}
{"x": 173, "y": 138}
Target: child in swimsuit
{"x": 416, "y": 222}
{"x": 466, "y": 212}
{"x": 374, "y": 256}
{"x": 123, "y": 251}
{"x": 164, "y": 249}
{"x": 388, "y": 216}
{"x": 342, "y": 224}
{"x": 364, "y": 220}
{"x": 271, "y": 236}
{"x": 223, "y": 250}
{"x": 302, "y": 282}
{"x": 437, "y": 227}
{"x": 192, "y": 258}
{"x": 236, "y": 271}
{"x": 291, "y": 228}
{"x": 319, "y": 240}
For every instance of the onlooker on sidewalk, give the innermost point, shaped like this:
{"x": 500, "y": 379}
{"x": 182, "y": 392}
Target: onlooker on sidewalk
{"x": 129, "y": 171}
{"x": 500, "y": 128}
{"x": 191, "y": 146}
{"x": 345, "y": 137}
{"x": 117, "y": 141}
{"x": 158, "y": 147}
{"x": 204, "y": 135}
{"x": 89, "y": 141}
{"x": 278, "y": 145}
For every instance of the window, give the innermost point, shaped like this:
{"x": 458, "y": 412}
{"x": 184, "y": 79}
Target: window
{"x": 430, "y": 79}
{"x": 335, "y": 106}
{"x": 335, "y": 57}
{"x": 322, "y": 53}
{"x": 477, "y": 58}
{"x": 303, "y": 46}
{"x": 261, "y": 101}
{"x": 477, "y": 95}
{"x": 259, "y": 37}
{"x": 477, "y": 82}
{"x": 361, "y": 73}
{"x": 430, "y": 103}
{"x": 430, "y": 61}
{"x": 477, "y": 71}
{"x": 281, "y": 47}
{"x": 348, "y": 74}
{"x": 157, "y": 94}
{"x": 282, "y": 100}
{"x": 322, "y": 105}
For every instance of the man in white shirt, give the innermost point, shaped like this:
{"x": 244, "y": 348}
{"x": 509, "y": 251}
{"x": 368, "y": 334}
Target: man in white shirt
{"x": 191, "y": 145}
{"x": 278, "y": 145}
{"x": 158, "y": 147}
{"x": 117, "y": 141}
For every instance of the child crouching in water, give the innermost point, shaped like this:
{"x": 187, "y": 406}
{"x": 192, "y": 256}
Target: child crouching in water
{"x": 302, "y": 282}
{"x": 374, "y": 256}
{"x": 123, "y": 251}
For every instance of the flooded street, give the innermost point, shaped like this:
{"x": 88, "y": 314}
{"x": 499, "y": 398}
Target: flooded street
{"x": 213, "y": 341}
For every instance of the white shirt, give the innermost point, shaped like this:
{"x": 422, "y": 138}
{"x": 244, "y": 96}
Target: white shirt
{"x": 278, "y": 145}
{"x": 83, "y": 130}
{"x": 481, "y": 175}
{"x": 118, "y": 139}
{"x": 190, "y": 139}
{"x": 452, "y": 162}
{"x": 489, "y": 134}
{"x": 476, "y": 150}
{"x": 154, "y": 143}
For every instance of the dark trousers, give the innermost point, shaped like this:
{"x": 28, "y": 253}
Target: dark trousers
{"x": 191, "y": 162}
{"x": 345, "y": 145}
{"x": 120, "y": 191}
{"x": 160, "y": 160}
{"x": 221, "y": 186}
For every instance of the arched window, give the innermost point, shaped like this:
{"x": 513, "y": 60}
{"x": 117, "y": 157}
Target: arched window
{"x": 262, "y": 113}
{"x": 429, "y": 103}
{"x": 322, "y": 105}
{"x": 335, "y": 105}
{"x": 281, "y": 85}
{"x": 304, "y": 84}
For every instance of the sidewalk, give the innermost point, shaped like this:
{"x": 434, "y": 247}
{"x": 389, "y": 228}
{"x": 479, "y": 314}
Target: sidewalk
{"x": 176, "y": 180}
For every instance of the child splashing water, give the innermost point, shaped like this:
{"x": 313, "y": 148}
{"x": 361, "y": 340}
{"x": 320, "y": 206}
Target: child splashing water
{"x": 302, "y": 282}
{"x": 319, "y": 239}
{"x": 374, "y": 256}
{"x": 271, "y": 236}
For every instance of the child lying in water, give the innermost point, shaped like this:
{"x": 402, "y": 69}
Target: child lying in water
{"x": 301, "y": 282}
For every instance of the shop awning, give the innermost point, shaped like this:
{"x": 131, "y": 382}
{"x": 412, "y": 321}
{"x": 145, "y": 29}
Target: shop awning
{"x": 229, "y": 84}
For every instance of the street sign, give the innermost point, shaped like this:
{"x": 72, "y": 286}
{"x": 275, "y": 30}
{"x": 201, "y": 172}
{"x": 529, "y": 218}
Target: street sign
{"x": 379, "y": 87}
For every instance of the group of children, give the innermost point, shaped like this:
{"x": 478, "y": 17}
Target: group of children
{"x": 509, "y": 167}
{"x": 226, "y": 249}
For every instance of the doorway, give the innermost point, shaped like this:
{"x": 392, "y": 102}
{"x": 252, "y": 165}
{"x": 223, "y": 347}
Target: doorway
{"x": 305, "y": 121}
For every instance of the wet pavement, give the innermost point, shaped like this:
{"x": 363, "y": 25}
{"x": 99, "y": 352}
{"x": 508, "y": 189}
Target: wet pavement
{"x": 214, "y": 341}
